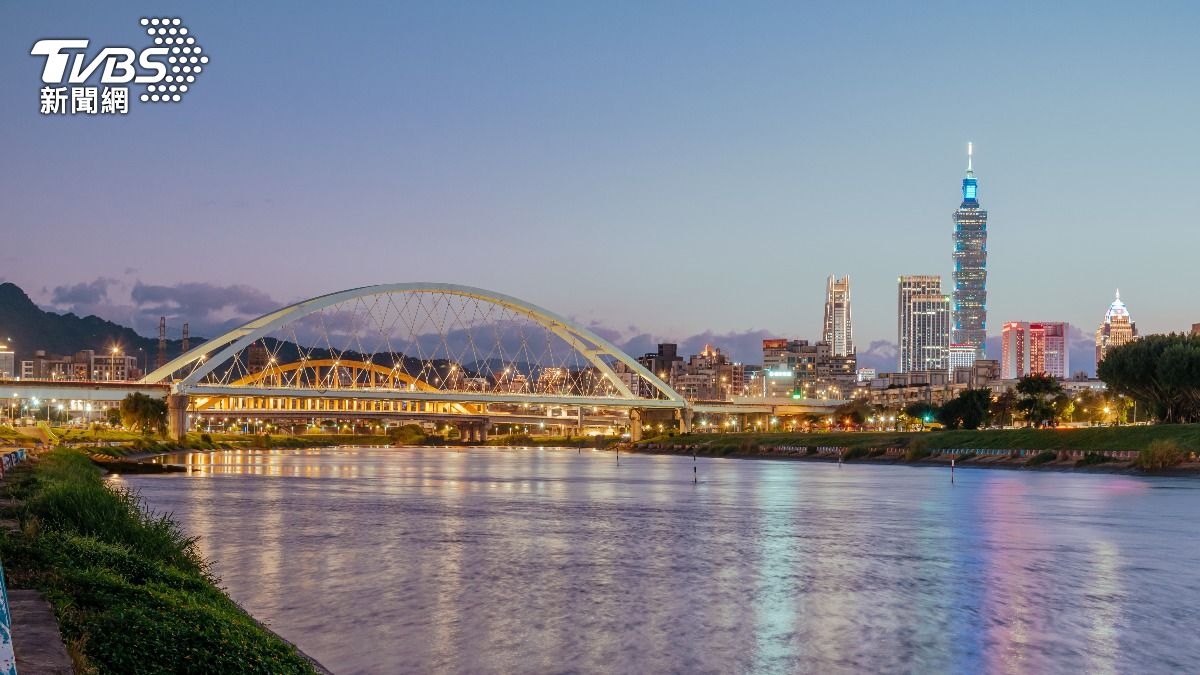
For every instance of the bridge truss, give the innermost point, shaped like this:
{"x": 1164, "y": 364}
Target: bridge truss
{"x": 416, "y": 350}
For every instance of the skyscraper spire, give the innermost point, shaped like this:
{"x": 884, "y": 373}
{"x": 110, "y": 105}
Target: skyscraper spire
{"x": 970, "y": 153}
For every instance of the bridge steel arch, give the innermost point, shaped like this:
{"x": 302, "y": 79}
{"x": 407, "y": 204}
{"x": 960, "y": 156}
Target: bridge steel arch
{"x": 206, "y": 357}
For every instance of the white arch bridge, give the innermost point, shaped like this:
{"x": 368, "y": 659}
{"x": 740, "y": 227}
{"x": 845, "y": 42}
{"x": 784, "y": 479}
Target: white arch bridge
{"x": 425, "y": 352}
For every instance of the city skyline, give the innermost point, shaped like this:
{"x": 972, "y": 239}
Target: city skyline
{"x": 569, "y": 186}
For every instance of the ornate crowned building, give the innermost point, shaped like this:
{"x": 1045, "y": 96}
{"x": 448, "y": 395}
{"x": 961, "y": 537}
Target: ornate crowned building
{"x": 1116, "y": 329}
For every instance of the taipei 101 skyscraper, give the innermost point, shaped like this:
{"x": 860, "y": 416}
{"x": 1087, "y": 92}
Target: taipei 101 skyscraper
{"x": 970, "y": 267}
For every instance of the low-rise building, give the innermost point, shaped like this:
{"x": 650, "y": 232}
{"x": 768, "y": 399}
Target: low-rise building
{"x": 814, "y": 370}
{"x": 897, "y": 390}
{"x": 707, "y": 376}
{"x": 112, "y": 366}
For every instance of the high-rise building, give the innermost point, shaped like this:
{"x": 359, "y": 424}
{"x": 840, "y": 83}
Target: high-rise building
{"x": 1048, "y": 353}
{"x": 911, "y": 286}
{"x": 970, "y": 266}
{"x": 838, "y": 331}
{"x": 1116, "y": 329}
{"x": 1014, "y": 350}
{"x": 1034, "y": 348}
{"x": 929, "y": 332}
{"x": 1196, "y": 330}
{"x": 8, "y": 363}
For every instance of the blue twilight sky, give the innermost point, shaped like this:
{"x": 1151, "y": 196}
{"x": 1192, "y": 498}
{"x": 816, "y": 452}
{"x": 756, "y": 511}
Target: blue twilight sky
{"x": 661, "y": 169}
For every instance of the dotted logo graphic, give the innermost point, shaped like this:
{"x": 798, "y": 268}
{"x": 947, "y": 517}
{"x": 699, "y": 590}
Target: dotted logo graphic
{"x": 186, "y": 59}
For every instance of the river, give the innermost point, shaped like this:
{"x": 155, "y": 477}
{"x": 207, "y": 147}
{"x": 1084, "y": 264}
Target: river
{"x": 385, "y": 560}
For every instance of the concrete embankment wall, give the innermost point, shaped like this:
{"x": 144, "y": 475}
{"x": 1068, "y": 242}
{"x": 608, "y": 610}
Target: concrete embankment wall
{"x": 833, "y": 452}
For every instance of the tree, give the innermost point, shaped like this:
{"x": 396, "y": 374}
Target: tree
{"x": 1162, "y": 372}
{"x": 921, "y": 412}
{"x": 857, "y": 411}
{"x": 1004, "y": 407}
{"x": 145, "y": 413}
{"x": 1042, "y": 399}
{"x": 409, "y": 434}
{"x": 971, "y": 409}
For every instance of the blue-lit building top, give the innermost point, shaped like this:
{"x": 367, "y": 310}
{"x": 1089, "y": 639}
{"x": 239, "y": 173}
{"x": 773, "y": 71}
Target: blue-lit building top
{"x": 969, "y": 304}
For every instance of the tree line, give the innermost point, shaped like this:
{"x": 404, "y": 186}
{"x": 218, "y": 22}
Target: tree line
{"x": 1161, "y": 372}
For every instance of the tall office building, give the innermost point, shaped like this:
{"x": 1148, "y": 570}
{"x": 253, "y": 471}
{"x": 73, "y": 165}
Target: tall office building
{"x": 929, "y": 332}
{"x": 838, "y": 331}
{"x": 1034, "y": 348}
{"x": 970, "y": 266}
{"x": 1116, "y": 329}
{"x": 1048, "y": 352}
{"x": 911, "y": 286}
{"x": 1014, "y": 350}
{"x": 8, "y": 363}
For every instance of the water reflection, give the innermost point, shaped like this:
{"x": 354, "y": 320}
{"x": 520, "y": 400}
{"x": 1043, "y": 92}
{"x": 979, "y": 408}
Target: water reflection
{"x": 501, "y": 560}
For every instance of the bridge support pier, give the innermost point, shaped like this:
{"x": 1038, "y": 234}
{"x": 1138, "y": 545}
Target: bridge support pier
{"x": 177, "y": 405}
{"x": 483, "y": 431}
{"x": 685, "y": 420}
{"x": 635, "y": 425}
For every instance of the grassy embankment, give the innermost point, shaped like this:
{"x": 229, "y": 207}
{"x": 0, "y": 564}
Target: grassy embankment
{"x": 133, "y": 442}
{"x": 526, "y": 440}
{"x": 1186, "y": 436}
{"x": 130, "y": 590}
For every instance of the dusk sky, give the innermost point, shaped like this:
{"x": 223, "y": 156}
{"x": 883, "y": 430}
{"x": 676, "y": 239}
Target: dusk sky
{"x": 654, "y": 169}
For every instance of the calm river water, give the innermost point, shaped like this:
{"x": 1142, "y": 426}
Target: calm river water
{"x": 384, "y": 560}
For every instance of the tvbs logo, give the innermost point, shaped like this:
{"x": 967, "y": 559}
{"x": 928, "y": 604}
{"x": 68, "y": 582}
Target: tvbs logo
{"x": 168, "y": 69}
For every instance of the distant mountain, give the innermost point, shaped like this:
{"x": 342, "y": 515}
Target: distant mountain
{"x": 30, "y": 328}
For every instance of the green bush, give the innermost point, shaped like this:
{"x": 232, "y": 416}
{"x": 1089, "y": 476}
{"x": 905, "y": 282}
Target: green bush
{"x": 409, "y": 434}
{"x": 1042, "y": 457}
{"x": 1160, "y": 455}
{"x": 918, "y": 448}
{"x": 855, "y": 453}
{"x": 1093, "y": 458}
{"x": 130, "y": 590}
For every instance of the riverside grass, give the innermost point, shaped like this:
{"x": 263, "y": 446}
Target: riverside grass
{"x": 130, "y": 590}
{"x": 1186, "y": 436}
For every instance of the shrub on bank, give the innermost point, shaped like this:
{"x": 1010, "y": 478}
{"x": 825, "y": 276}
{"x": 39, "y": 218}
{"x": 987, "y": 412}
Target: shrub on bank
{"x": 1160, "y": 455}
{"x": 408, "y": 434}
{"x": 1093, "y": 458}
{"x": 855, "y": 453}
{"x": 1042, "y": 457}
{"x": 918, "y": 448}
{"x": 129, "y": 588}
